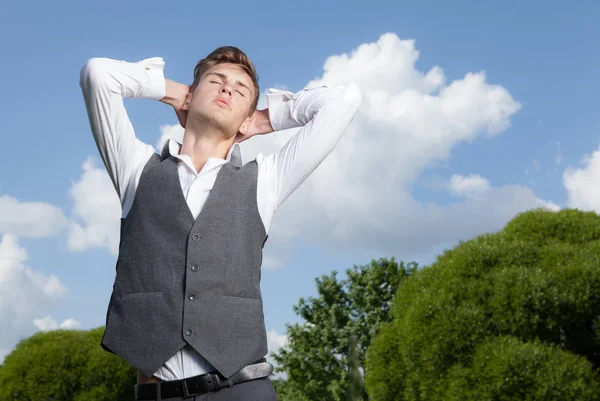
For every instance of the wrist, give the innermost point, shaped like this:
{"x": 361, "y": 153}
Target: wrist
{"x": 264, "y": 125}
{"x": 174, "y": 93}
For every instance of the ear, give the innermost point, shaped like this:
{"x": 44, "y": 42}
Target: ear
{"x": 244, "y": 128}
{"x": 187, "y": 101}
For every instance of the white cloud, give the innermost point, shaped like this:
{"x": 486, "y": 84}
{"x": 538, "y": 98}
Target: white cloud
{"x": 361, "y": 196}
{"x": 169, "y": 132}
{"x": 410, "y": 120}
{"x": 275, "y": 341}
{"x": 70, "y": 324}
{"x": 271, "y": 263}
{"x": 583, "y": 184}
{"x": 30, "y": 219}
{"x": 279, "y": 248}
{"x": 470, "y": 187}
{"x": 25, "y": 293}
{"x": 96, "y": 211}
{"x": 47, "y": 323}
{"x": 548, "y": 205}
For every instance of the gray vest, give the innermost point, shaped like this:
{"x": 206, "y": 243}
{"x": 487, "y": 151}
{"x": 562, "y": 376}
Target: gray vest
{"x": 181, "y": 280}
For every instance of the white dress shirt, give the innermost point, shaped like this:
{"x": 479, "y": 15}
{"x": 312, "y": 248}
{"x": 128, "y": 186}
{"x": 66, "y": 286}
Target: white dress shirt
{"x": 323, "y": 113}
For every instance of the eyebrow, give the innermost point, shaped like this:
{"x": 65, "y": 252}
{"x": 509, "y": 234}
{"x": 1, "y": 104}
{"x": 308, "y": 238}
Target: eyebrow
{"x": 223, "y": 76}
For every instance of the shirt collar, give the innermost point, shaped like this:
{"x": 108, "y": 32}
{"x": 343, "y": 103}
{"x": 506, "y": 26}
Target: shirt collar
{"x": 234, "y": 155}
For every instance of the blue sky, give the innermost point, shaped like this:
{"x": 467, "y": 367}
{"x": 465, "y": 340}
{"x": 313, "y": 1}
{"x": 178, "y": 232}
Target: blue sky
{"x": 543, "y": 55}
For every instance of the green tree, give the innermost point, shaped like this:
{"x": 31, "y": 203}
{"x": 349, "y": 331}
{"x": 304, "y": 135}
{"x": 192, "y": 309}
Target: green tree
{"x": 325, "y": 353}
{"x": 513, "y": 315}
{"x": 65, "y": 365}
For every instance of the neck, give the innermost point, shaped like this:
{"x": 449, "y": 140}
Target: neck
{"x": 202, "y": 143}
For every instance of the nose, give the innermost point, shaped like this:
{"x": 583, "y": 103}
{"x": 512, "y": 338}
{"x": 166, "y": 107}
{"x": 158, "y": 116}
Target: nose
{"x": 226, "y": 89}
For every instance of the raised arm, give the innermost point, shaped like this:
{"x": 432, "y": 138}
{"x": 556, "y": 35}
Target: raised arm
{"x": 104, "y": 83}
{"x": 324, "y": 114}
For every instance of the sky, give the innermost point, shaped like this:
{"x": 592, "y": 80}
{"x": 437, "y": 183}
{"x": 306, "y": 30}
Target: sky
{"x": 472, "y": 113}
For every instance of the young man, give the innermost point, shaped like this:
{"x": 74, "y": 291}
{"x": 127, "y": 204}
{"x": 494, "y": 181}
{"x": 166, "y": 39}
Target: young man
{"x": 186, "y": 308}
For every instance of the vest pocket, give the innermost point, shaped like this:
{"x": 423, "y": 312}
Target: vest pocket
{"x": 138, "y": 314}
{"x": 232, "y": 328}
{"x": 141, "y": 326}
{"x": 141, "y": 311}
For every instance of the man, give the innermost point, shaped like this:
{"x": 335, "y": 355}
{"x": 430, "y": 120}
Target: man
{"x": 186, "y": 308}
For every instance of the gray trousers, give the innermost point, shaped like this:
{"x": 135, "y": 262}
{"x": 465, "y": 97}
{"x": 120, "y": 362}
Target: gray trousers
{"x": 254, "y": 390}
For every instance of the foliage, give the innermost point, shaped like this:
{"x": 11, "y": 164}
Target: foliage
{"x": 513, "y": 315}
{"x": 506, "y": 368}
{"x": 340, "y": 321}
{"x": 65, "y": 365}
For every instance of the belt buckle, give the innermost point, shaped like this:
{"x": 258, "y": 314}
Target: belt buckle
{"x": 186, "y": 391}
{"x": 197, "y": 384}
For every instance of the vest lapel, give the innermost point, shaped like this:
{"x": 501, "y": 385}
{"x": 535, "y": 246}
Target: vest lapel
{"x": 174, "y": 184}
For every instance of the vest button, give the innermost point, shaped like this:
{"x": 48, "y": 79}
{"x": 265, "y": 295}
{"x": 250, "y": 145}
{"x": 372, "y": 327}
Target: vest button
{"x": 195, "y": 237}
{"x": 189, "y": 332}
{"x": 194, "y": 268}
{"x": 191, "y": 297}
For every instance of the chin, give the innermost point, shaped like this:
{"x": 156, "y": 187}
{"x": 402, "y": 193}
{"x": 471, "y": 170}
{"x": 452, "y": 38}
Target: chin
{"x": 215, "y": 120}
{"x": 211, "y": 118}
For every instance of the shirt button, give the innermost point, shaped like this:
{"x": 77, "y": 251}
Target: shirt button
{"x": 189, "y": 332}
{"x": 194, "y": 268}
{"x": 191, "y": 297}
{"x": 195, "y": 237}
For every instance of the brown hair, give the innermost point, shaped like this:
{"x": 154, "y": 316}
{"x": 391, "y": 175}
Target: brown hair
{"x": 227, "y": 54}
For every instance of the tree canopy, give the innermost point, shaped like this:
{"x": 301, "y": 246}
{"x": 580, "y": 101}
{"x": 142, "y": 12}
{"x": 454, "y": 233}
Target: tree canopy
{"x": 325, "y": 354}
{"x": 513, "y": 315}
{"x": 65, "y": 365}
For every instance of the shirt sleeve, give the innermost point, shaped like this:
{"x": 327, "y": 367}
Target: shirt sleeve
{"x": 324, "y": 114}
{"x": 105, "y": 83}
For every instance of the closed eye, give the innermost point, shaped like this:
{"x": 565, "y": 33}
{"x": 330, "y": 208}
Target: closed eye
{"x": 240, "y": 93}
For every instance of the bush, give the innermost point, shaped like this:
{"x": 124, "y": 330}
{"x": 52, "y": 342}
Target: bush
{"x": 65, "y": 365}
{"x": 528, "y": 296}
{"x": 506, "y": 368}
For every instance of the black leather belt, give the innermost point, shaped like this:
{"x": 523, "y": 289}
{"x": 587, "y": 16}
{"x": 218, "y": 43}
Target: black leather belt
{"x": 202, "y": 384}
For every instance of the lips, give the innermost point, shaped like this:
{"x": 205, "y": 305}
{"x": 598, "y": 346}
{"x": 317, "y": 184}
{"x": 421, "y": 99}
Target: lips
{"x": 223, "y": 102}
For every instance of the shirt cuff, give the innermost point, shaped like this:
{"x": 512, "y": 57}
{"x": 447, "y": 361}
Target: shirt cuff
{"x": 280, "y": 114}
{"x": 154, "y": 69}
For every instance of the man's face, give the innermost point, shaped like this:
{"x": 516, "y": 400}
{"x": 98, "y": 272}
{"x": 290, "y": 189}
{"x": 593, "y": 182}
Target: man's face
{"x": 222, "y": 98}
